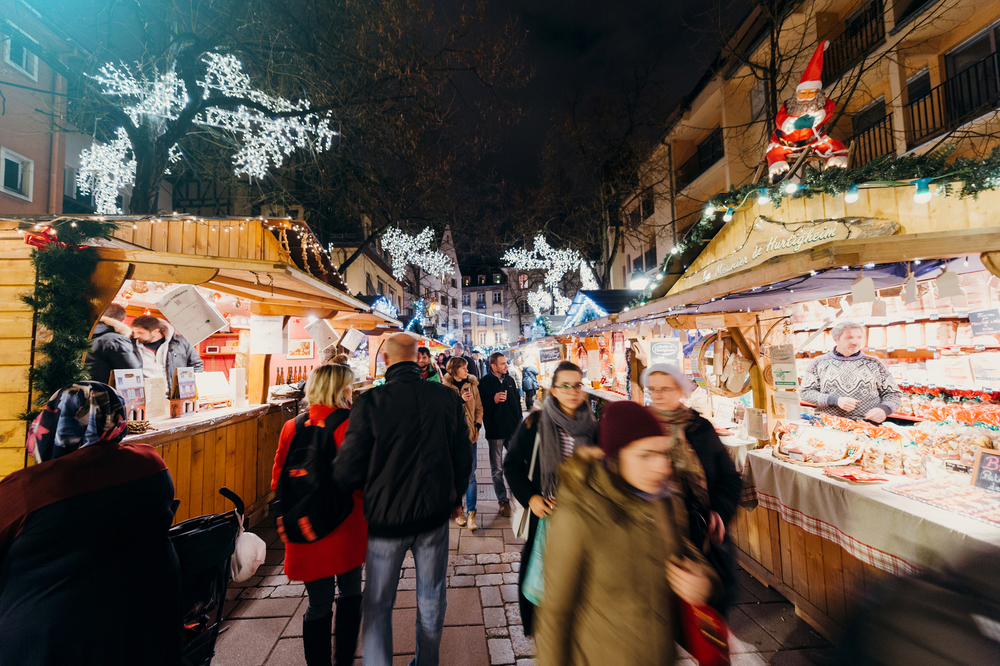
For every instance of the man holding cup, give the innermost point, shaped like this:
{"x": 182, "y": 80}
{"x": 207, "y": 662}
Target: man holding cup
{"x": 501, "y": 416}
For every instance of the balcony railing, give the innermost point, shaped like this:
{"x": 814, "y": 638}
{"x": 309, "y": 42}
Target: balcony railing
{"x": 710, "y": 151}
{"x": 961, "y": 98}
{"x": 873, "y": 142}
{"x": 861, "y": 35}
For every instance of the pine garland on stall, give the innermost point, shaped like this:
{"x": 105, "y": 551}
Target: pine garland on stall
{"x": 63, "y": 270}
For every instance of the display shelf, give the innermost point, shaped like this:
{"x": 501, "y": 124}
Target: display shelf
{"x": 886, "y": 321}
{"x": 894, "y": 415}
{"x": 919, "y": 352}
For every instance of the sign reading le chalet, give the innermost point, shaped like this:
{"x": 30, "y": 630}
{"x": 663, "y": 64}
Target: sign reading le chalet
{"x": 769, "y": 238}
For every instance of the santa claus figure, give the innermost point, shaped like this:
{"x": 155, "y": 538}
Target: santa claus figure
{"x": 800, "y": 122}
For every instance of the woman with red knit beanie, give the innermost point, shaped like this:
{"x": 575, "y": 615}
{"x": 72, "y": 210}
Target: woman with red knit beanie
{"x": 618, "y": 556}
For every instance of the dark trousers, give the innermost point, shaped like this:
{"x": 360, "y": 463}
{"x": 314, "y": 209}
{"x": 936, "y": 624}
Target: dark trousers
{"x": 322, "y": 592}
{"x": 529, "y": 398}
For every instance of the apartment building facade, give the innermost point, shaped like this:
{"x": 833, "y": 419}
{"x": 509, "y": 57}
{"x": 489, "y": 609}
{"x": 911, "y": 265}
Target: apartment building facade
{"x": 909, "y": 76}
{"x": 488, "y": 317}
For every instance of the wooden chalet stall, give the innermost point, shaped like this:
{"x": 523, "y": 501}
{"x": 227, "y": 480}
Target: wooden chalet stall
{"x": 272, "y": 267}
{"x": 775, "y": 279}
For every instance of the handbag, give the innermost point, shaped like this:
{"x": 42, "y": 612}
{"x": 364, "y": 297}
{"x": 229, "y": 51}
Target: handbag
{"x": 702, "y": 630}
{"x": 534, "y": 576}
{"x": 522, "y": 514}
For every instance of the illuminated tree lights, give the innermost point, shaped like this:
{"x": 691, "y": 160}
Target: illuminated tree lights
{"x": 556, "y": 264}
{"x": 406, "y": 249}
{"x": 227, "y": 102}
{"x": 539, "y": 300}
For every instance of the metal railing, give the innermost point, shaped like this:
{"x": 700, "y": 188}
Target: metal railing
{"x": 710, "y": 151}
{"x": 862, "y": 35}
{"x": 873, "y": 142}
{"x": 961, "y": 98}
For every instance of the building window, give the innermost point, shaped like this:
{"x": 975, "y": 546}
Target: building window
{"x": 481, "y": 320}
{"x": 427, "y": 293}
{"x": 524, "y": 307}
{"x": 465, "y": 281}
{"x": 648, "y": 204}
{"x": 466, "y": 300}
{"x": 409, "y": 312}
{"x": 467, "y": 320}
{"x": 381, "y": 287}
{"x": 454, "y": 283}
{"x": 369, "y": 287}
{"x": 481, "y": 279}
{"x": 918, "y": 86}
{"x": 637, "y": 264}
{"x": 497, "y": 298}
{"x": 468, "y": 339}
{"x": 481, "y": 300}
{"x": 16, "y": 54}
{"x": 522, "y": 280}
{"x": 496, "y": 338}
{"x": 650, "y": 258}
{"x": 454, "y": 324}
{"x": 454, "y": 302}
{"x": 392, "y": 295}
{"x": 497, "y": 321}
{"x": 16, "y": 173}
{"x": 496, "y": 278}
{"x": 482, "y": 338}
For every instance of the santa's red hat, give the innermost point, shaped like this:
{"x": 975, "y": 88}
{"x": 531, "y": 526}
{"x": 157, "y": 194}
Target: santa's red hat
{"x": 812, "y": 78}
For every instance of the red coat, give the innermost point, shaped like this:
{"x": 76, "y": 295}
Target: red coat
{"x": 341, "y": 550}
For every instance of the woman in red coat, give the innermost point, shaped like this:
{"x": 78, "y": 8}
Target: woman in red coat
{"x": 335, "y": 560}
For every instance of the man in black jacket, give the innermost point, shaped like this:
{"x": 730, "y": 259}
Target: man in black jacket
{"x": 501, "y": 416}
{"x": 112, "y": 348}
{"x": 407, "y": 445}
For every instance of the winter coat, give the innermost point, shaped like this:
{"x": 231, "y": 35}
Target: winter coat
{"x": 474, "y": 368}
{"x": 110, "y": 350}
{"x": 607, "y": 599}
{"x": 724, "y": 482}
{"x": 473, "y": 408}
{"x": 407, "y": 444}
{"x": 433, "y": 374}
{"x": 500, "y": 418}
{"x": 88, "y": 575}
{"x": 529, "y": 380}
{"x": 342, "y": 549}
{"x": 175, "y": 353}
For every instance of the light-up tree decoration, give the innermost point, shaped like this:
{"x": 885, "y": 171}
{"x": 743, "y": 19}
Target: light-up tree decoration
{"x": 539, "y": 300}
{"x": 164, "y": 107}
{"x": 406, "y": 250}
{"x": 556, "y": 264}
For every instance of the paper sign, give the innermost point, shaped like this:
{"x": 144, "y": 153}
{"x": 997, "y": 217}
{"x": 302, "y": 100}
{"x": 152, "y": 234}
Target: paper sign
{"x": 756, "y": 421}
{"x": 879, "y": 308}
{"x": 790, "y": 401}
{"x": 129, "y": 385}
{"x": 863, "y": 290}
{"x": 238, "y": 386}
{"x": 156, "y": 398}
{"x": 212, "y": 386}
{"x": 948, "y": 286}
{"x": 322, "y": 334}
{"x": 783, "y": 367}
{"x": 986, "y": 470}
{"x": 985, "y": 322}
{"x": 183, "y": 384}
{"x": 191, "y": 314}
{"x": 710, "y": 322}
{"x": 725, "y": 411}
{"x": 593, "y": 365}
{"x": 910, "y": 290}
{"x": 352, "y": 338}
{"x": 266, "y": 335}
{"x": 665, "y": 351}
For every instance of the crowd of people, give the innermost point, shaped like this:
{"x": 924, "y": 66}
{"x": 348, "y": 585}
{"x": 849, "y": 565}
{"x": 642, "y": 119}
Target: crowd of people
{"x": 626, "y": 515}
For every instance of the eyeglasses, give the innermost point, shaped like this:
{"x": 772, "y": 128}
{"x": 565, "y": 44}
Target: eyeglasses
{"x": 570, "y": 387}
{"x": 663, "y": 391}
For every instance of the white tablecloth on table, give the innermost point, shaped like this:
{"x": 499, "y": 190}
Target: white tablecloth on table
{"x": 894, "y": 533}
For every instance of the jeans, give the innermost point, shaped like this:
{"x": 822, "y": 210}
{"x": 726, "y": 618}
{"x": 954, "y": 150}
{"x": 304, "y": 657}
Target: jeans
{"x": 471, "y": 493}
{"x": 384, "y": 561}
{"x": 322, "y": 592}
{"x": 529, "y": 399}
{"x": 496, "y": 467}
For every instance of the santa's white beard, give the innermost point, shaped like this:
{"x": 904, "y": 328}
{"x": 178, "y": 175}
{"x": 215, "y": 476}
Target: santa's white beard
{"x": 795, "y": 108}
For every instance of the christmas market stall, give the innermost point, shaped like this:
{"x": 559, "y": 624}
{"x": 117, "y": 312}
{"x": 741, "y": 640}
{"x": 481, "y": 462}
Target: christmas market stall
{"x": 834, "y": 505}
{"x": 249, "y": 295}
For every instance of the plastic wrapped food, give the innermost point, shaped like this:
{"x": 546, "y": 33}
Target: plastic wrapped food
{"x": 915, "y": 335}
{"x": 913, "y": 464}
{"x": 876, "y": 337}
{"x": 873, "y": 458}
{"x": 893, "y": 456}
{"x": 895, "y": 336}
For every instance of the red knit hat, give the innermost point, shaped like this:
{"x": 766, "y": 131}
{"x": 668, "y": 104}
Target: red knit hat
{"x": 625, "y": 422}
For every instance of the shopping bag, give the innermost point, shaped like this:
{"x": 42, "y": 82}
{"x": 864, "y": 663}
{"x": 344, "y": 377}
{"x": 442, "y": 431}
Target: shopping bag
{"x": 522, "y": 514}
{"x": 704, "y": 634}
{"x": 534, "y": 575}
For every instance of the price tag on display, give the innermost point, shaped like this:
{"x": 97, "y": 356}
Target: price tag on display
{"x": 756, "y": 420}
{"x": 932, "y": 349}
{"x": 986, "y": 470}
{"x": 890, "y": 349}
{"x": 909, "y": 320}
{"x": 934, "y": 317}
{"x": 956, "y": 349}
{"x": 980, "y": 348}
{"x": 911, "y": 349}
{"x": 986, "y": 389}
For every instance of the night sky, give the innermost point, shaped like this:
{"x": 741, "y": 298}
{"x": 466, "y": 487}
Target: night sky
{"x": 586, "y": 46}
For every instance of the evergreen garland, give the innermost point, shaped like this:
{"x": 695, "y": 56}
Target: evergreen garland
{"x": 63, "y": 270}
{"x": 974, "y": 175}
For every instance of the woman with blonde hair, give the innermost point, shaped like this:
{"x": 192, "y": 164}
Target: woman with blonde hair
{"x": 459, "y": 378}
{"x": 335, "y": 560}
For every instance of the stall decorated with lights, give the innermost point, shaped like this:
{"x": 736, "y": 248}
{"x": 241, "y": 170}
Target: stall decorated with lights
{"x": 239, "y": 270}
{"x": 756, "y": 305}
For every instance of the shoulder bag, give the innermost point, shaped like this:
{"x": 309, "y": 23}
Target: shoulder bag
{"x": 522, "y": 514}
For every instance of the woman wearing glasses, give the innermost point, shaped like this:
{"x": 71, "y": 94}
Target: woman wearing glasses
{"x": 563, "y": 424}
{"x": 702, "y": 467}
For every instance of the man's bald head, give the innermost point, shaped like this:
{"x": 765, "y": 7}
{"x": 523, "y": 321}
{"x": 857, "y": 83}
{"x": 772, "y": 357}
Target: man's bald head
{"x": 399, "y": 348}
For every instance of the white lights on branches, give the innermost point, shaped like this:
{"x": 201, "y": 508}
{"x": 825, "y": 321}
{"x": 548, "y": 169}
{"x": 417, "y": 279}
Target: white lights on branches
{"x": 587, "y": 280}
{"x": 106, "y": 168}
{"x": 560, "y": 304}
{"x": 539, "y": 300}
{"x": 556, "y": 264}
{"x": 268, "y": 128}
{"x": 406, "y": 249}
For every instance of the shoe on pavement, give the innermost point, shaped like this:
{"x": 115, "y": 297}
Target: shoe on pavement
{"x": 460, "y": 521}
{"x": 472, "y": 521}
{"x": 505, "y": 509}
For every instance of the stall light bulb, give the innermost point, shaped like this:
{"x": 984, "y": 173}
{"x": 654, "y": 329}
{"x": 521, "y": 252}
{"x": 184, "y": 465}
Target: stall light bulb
{"x": 762, "y": 198}
{"x": 728, "y": 216}
{"x": 923, "y": 193}
{"x": 673, "y": 250}
{"x": 709, "y": 210}
{"x": 812, "y": 272}
{"x": 917, "y": 262}
{"x": 791, "y": 188}
{"x": 852, "y": 194}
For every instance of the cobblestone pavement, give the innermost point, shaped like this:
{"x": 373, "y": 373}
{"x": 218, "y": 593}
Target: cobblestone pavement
{"x": 482, "y": 623}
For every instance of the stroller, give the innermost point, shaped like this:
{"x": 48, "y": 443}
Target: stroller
{"x": 205, "y": 546}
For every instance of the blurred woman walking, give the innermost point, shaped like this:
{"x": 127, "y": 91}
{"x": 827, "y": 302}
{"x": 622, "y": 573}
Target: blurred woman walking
{"x": 458, "y": 378}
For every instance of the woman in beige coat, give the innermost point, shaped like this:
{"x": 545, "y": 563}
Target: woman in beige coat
{"x": 617, "y": 555}
{"x": 458, "y": 378}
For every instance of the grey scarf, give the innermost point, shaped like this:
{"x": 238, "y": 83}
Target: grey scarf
{"x": 582, "y": 427}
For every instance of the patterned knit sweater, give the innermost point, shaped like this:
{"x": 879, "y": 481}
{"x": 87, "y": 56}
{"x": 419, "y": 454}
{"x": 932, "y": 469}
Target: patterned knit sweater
{"x": 860, "y": 376}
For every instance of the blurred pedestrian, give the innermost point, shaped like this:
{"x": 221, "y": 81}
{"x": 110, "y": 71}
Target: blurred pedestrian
{"x": 481, "y": 369}
{"x": 617, "y": 556}
{"x": 703, "y": 467}
{"x": 87, "y": 571}
{"x": 408, "y": 447}
{"x": 333, "y": 562}
{"x": 529, "y": 382}
{"x": 458, "y": 378}
{"x": 428, "y": 370}
{"x": 458, "y": 351}
{"x": 501, "y": 416}
{"x": 563, "y": 424}
{"x": 112, "y": 347}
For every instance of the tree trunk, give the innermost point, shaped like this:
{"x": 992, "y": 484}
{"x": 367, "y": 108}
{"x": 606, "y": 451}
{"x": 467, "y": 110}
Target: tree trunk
{"x": 150, "y": 166}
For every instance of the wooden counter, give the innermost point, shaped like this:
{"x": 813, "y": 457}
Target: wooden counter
{"x": 231, "y": 447}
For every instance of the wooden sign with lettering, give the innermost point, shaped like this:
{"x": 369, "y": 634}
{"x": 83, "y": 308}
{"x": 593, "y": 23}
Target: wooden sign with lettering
{"x": 986, "y": 470}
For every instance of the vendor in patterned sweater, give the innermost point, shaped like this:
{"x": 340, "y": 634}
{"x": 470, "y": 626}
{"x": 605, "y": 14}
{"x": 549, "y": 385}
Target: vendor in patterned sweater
{"x": 848, "y": 382}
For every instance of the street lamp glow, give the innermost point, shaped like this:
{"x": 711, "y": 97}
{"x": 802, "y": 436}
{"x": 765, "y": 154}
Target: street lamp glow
{"x": 638, "y": 281}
